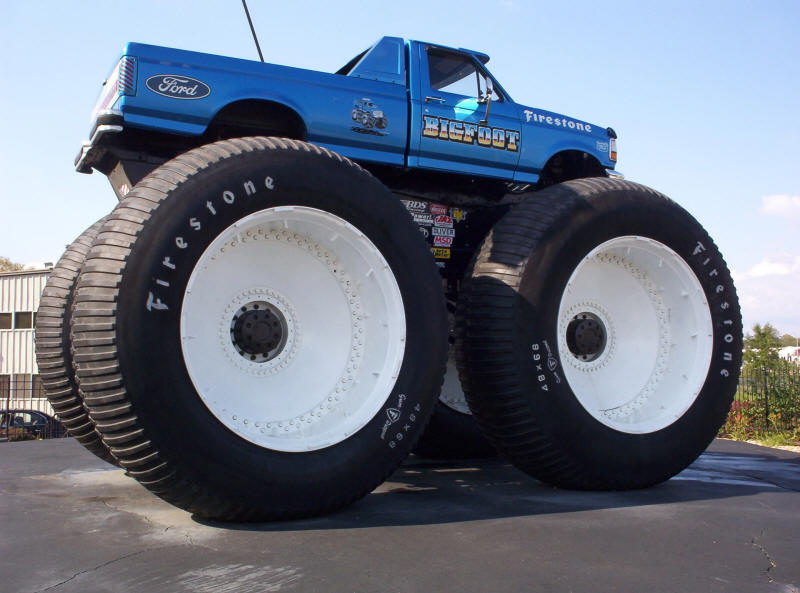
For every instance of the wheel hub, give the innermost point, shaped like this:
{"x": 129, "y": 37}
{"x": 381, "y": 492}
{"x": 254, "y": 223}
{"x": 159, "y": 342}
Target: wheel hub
{"x": 586, "y": 336}
{"x": 259, "y": 331}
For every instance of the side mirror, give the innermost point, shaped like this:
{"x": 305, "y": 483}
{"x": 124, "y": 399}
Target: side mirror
{"x": 488, "y": 99}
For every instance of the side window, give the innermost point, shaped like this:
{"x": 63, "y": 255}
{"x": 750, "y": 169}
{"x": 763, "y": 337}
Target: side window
{"x": 457, "y": 74}
{"x": 23, "y": 320}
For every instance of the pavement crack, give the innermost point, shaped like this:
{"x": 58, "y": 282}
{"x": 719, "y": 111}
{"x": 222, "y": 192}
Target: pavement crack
{"x": 88, "y": 570}
{"x": 772, "y": 564}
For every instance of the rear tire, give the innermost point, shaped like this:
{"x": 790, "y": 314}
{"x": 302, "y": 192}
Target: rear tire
{"x": 452, "y": 432}
{"x": 600, "y": 336}
{"x": 53, "y": 346}
{"x": 281, "y": 331}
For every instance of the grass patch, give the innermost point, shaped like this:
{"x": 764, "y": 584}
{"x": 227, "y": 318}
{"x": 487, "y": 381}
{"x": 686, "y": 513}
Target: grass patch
{"x": 772, "y": 438}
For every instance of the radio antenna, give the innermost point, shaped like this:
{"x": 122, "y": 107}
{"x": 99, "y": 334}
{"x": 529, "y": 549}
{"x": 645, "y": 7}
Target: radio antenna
{"x": 249, "y": 20}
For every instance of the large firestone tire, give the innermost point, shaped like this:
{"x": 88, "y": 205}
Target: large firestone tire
{"x": 599, "y": 337}
{"x": 280, "y": 331}
{"x": 53, "y": 347}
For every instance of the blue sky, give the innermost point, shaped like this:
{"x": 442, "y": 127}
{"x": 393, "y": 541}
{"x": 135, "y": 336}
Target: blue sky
{"x": 704, "y": 96}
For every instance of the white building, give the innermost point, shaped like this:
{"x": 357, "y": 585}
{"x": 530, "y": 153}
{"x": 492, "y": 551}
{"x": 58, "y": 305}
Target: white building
{"x": 790, "y": 353}
{"x": 20, "y": 386}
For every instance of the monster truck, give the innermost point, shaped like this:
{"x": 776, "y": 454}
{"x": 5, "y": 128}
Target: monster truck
{"x": 261, "y": 326}
{"x": 368, "y": 114}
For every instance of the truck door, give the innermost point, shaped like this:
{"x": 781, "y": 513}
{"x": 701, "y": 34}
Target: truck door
{"x": 450, "y": 127}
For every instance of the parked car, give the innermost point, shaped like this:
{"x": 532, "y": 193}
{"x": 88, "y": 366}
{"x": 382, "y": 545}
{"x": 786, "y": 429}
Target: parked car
{"x": 24, "y": 424}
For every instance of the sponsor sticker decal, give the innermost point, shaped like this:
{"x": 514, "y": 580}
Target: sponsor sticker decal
{"x": 178, "y": 87}
{"x": 441, "y": 253}
{"x": 442, "y": 241}
{"x": 422, "y": 218}
{"x": 443, "y": 221}
{"x": 438, "y": 209}
{"x": 442, "y": 232}
{"x": 415, "y": 205}
{"x": 602, "y": 146}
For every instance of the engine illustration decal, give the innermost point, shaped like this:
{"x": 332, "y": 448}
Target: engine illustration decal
{"x": 177, "y": 87}
{"x": 369, "y": 118}
{"x": 468, "y": 133}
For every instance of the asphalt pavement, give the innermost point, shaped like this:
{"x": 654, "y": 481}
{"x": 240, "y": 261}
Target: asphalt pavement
{"x": 70, "y": 523}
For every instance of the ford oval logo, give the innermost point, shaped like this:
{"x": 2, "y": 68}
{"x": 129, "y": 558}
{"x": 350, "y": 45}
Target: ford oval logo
{"x": 178, "y": 87}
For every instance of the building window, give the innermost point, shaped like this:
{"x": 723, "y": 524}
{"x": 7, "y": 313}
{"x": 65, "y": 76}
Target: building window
{"x": 5, "y": 321}
{"x": 21, "y": 387}
{"x": 23, "y": 320}
{"x": 5, "y": 387}
{"x": 38, "y": 388}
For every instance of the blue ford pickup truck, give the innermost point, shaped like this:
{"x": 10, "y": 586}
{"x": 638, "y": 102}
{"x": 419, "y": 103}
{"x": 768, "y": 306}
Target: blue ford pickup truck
{"x": 440, "y": 110}
{"x": 308, "y": 276}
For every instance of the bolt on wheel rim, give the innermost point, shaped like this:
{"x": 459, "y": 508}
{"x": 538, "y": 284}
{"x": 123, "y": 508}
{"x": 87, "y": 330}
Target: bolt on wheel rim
{"x": 326, "y": 334}
{"x": 634, "y": 334}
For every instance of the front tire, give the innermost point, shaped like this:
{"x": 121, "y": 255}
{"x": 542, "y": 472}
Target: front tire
{"x": 281, "y": 330}
{"x": 600, "y": 336}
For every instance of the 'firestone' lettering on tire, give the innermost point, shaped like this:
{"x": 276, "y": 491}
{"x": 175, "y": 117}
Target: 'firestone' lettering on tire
{"x": 170, "y": 262}
{"x": 728, "y": 338}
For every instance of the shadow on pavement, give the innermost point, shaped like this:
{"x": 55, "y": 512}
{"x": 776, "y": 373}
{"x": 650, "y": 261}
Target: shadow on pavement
{"x": 424, "y": 492}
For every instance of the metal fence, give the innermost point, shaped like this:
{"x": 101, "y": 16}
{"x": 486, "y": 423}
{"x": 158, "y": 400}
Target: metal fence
{"x": 767, "y": 399}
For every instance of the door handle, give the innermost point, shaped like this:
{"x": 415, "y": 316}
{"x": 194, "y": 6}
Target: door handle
{"x": 428, "y": 99}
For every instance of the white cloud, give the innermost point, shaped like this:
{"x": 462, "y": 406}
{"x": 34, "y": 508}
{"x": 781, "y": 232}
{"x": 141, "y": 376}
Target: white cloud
{"x": 776, "y": 265}
{"x": 769, "y": 292}
{"x": 784, "y": 206}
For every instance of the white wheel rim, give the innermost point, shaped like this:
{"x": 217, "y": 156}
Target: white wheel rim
{"x": 657, "y": 331}
{"x": 343, "y": 336}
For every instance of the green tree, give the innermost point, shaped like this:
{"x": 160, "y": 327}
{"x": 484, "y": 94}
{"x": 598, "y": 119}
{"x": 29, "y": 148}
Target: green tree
{"x": 788, "y": 340}
{"x": 6, "y": 265}
{"x": 761, "y": 347}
